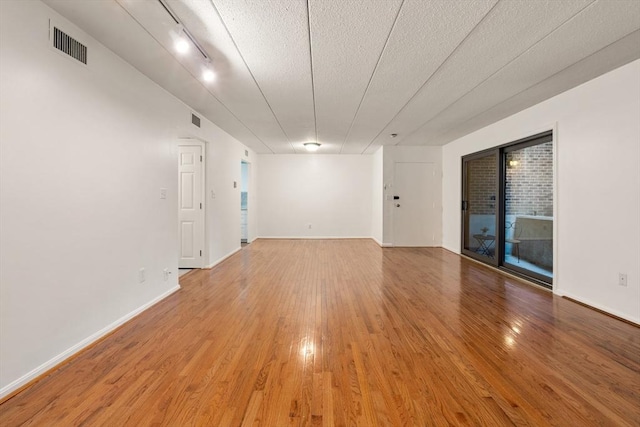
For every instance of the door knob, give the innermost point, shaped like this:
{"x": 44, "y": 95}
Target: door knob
{"x": 397, "y": 205}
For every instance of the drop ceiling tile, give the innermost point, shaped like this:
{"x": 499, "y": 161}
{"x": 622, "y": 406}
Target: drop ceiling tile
{"x": 347, "y": 40}
{"x": 509, "y": 29}
{"x": 611, "y": 57}
{"x": 273, "y": 38}
{"x": 234, "y": 86}
{"x": 363, "y": 79}
{"x": 426, "y": 33}
{"x": 582, "y": 36}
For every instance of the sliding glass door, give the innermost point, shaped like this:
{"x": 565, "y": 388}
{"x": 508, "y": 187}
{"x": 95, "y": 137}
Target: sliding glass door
{"x": 507, "y": 207}
{"x": 479, "y": 210}
{"x": 528, "y": 208}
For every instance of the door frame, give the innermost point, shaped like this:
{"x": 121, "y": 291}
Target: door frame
{"x": 498, "y": 207}
{"x": 205, "y": 242}
{"x": 249, "y": 191}
{"x": 530, "y": 140}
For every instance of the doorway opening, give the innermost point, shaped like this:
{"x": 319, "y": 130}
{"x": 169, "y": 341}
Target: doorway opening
{"x": 507, "y": 207}
{"x": 244, "y": 203}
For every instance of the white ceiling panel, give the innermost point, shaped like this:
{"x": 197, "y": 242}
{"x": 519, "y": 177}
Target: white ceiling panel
{"x": 424, "y": 36}
{"x": 509, "y": 29}
{"x": 273, "y": 38}
{"x": 234, "y": 85}
{"x": 348, "y": 73}
{"x": 611, "y": 57}
{"x": 347, "y": 38}
{"x": 578, "y": 38}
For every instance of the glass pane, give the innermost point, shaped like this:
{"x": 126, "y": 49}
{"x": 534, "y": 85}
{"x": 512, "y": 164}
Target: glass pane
{"x": 480, "y": 213}
{"x": 529, "y": 209}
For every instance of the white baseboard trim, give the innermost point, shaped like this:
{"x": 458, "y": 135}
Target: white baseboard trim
{"x": 219, "y": 260}
{"x": 600, "y": 307}
{"x": 313, "y": 237}
{"x": 60, "y": 358}
{"x": 382, "y": 245}
{"x": 454, "y": 250}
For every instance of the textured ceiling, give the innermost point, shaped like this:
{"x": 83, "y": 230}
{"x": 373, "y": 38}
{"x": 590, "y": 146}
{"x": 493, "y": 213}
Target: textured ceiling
{"x": 348, "y": 73}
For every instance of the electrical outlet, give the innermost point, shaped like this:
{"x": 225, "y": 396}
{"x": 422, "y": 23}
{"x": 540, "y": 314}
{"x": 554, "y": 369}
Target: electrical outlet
{"x": 141, "y": 275}
{"x": 622, "y": 279}
{"x": 163, "y": 193}
{"x": 166, "y": 274}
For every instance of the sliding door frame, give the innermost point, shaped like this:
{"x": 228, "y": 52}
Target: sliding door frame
{"x": 500, "y": 152}
{"x": 498, "y": 232}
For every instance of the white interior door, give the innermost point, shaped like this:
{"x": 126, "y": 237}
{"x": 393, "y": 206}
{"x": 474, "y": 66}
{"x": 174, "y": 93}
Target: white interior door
{"x": 414, "y": 210}
{"x": 191, "y": 209}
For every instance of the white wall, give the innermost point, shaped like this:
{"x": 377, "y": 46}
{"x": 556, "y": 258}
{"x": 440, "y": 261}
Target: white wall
{"x": 377, "y": 195}
{"x": 330, "y": 192}
{"x": 399, "y": 154}
{"x": 224, "y": 155}
{"x": 598, "y": 186}
{"x": 85, "y": 151}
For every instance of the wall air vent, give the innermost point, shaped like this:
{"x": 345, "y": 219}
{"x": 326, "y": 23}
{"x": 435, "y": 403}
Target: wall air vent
{"x": 195, "y": 120}
{"x": 67, "y": 44}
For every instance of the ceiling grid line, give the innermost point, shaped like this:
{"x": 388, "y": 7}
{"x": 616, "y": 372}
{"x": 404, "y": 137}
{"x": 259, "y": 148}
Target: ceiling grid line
{"x": 191, "y": 74}
{"x": 432, "y": 74}
{"x": 538, "y": 83}
{"x": 313, "y": 89}
{"x": 252, "y": 76}
{"x": 347, "y": 75}
{"x": 375, "y": 68}
{"x": 549, "y": 34}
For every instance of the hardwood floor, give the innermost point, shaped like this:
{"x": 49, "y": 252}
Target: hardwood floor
{"x": 342, "y": 332}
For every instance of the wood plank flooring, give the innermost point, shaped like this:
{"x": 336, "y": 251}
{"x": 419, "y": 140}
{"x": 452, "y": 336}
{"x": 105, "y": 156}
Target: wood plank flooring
{"x": 342, "y": 332}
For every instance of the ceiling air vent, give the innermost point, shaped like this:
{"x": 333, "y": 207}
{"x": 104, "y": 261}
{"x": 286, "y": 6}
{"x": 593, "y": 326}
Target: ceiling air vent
{"x": 67, "y": 44}
{"x": 195, "y": 120}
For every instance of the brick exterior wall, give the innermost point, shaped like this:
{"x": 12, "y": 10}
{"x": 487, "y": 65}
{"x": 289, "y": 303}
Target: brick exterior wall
{"x": 529, "y": 188}
{"x": 481, "y": 182}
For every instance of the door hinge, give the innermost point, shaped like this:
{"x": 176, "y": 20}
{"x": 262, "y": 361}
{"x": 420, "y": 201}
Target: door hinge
{"x": 201, "y": 253}
{"x": 200, "y": 205}
{"x": 200, "y": 159}
{"x": 464, "y": 205}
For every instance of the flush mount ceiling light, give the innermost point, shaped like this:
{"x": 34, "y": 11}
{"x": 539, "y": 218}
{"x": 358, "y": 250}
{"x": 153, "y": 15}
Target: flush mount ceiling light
{"x": 311, "y": 146}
